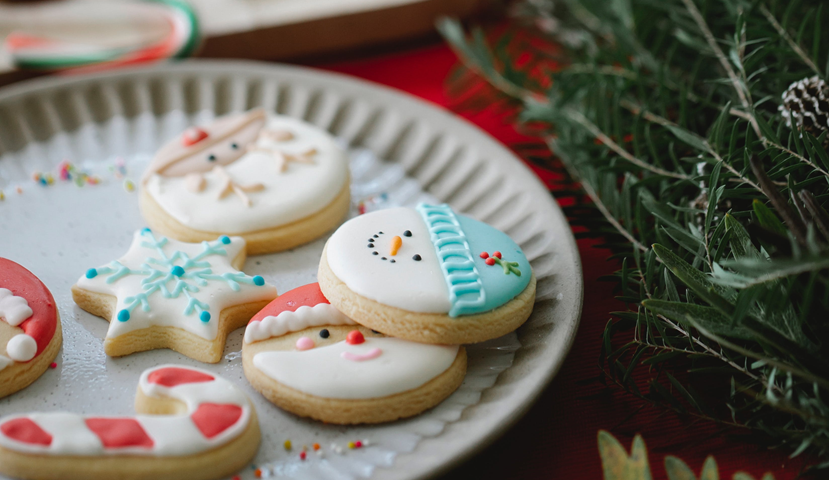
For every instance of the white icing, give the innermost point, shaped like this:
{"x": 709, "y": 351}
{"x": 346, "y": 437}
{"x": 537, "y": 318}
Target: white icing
{"x": 304, "y": 317}
{"x": 5, "y": 362}
{"x": 172, "y": 435}
{"x": 401, "y": 366}
{"x": 170, "y": 311}
{"x": 21, "y": 348}
{"x": 14, "y": 310}
{"x": 300, "y": 190}
{"x": 416, "y": 286}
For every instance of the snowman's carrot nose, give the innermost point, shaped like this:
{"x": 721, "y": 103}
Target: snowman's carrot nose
{"x": 396, "y": 243}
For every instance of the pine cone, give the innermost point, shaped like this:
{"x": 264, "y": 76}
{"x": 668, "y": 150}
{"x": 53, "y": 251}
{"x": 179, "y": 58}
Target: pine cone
{"x": 806, "y": 105}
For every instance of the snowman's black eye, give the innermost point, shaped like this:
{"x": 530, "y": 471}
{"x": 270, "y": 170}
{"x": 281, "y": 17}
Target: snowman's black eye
{"x": 234, "y": 146}
{"x": 211, "y": 158}
{"x": 324, "y": 333}
{"x": 416, "y": 258}
{"x": 407, "y": 233}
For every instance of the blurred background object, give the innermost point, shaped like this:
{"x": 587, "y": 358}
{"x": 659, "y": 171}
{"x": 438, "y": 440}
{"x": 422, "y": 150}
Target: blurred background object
{"x": 84, "y": 35}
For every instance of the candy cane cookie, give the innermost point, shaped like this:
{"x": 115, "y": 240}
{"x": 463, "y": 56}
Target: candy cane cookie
{"x": 168, "y": 294}
{"x": 190, "y": 424}
{"x": 277, "y": 181}
{"x": 308, "y": 358}
{"x": 30, "y": 331}
{"x": 427, "y": 274}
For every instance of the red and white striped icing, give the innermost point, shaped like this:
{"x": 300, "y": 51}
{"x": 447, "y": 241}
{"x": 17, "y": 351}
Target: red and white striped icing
{"x": 301, "y": 308}
{"x": 216, "y": 413}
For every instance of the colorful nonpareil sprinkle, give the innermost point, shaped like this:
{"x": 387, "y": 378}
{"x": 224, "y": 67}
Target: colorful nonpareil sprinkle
{"x": 287, "y": 444}
{"x": 257, "y": 473}
{"x": 302, "y": 455}
{"x": 19, "y": 190}
{"x": 128, "y": 185}
{"x": 316, "y": 446}
{"x": 53, "y": 365}
{"x": 2, "y": 196}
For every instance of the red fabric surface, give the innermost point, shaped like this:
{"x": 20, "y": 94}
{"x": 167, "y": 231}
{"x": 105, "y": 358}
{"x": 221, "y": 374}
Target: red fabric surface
{"x": 557, "y": 437}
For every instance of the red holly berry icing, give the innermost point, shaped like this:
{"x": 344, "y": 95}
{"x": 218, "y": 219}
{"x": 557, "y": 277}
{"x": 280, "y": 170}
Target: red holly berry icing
{"x": 490, "y": 261}
{"x": 484, "y": 255}
{"x": 496, "y": 254}
{"x": 355, "y": 337}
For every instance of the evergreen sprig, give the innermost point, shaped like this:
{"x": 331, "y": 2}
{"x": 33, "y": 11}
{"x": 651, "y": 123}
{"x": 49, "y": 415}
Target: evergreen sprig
{"x": 666, "y": 115}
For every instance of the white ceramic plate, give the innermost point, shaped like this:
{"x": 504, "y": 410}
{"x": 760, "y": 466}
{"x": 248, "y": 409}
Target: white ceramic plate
{"x": 402, "y": 151}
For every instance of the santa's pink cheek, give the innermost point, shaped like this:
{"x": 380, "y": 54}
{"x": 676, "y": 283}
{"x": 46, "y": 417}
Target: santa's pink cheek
{"x": 304, "y": 343}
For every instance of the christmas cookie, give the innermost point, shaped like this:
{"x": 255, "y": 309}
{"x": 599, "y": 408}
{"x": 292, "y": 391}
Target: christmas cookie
{"x": 276, "y": 181}
{"x": 190, "y": 424}
{"x": 30, "y": 334}
{"x": 310, "y": 359}
{"x": 168, "y": 294}
{"x": 427, "y": 274}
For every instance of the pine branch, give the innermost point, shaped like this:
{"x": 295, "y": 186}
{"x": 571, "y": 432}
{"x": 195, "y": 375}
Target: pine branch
{"x": 738, "y": 279}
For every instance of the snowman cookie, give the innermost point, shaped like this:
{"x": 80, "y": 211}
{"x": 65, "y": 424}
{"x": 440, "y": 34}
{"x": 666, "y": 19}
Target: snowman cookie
{"x": 427, "y": 274}
{"x": 168, "y": 294}
{"x": 30, "y": 331}
{"x": 274, "y": 180}
{"x": 190, "y": 424}
{"x": 308, "y": 358}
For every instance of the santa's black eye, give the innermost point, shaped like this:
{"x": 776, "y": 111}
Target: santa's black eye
{"x": 416, "y": 258}
{"x": 211, "y": 158}
{"x": 324, "y": 333}
{"x": 234, "y": 146}
{"x": 407, "y": 233}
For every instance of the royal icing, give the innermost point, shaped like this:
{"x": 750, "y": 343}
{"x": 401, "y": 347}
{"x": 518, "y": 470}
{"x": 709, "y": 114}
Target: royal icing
{"x": 428, "y": 260}
{"x": 217, "y": 412}
{"x": 27, "y": 304}
{"x": 378, "y": 367}
{"x": 298, "y": 309}
{"x": 285, "y": 172}
{"x": 355, "y": 368}
{"x": 164, "y": 282}
{"x": 13, "y": 309}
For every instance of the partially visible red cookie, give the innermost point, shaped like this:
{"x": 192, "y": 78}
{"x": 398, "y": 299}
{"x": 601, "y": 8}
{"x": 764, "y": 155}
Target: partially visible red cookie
{"x": 30, "y": 332}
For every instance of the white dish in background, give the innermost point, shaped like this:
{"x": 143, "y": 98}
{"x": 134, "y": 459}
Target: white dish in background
{"x": 402, "y": 150}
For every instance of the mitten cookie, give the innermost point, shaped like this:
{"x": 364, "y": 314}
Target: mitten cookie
{"x": 310, "y": 359}
{"x": 30, "y": 332}
{"x": 169, "y": 294}
{"x": 276, "y": 181}
{"x": 190, "y": 424}
{"x": 427, "y": 274}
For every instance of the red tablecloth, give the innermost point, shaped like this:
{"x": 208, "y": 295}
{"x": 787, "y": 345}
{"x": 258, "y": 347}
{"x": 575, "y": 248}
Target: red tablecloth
{"x": 557, "y": 437}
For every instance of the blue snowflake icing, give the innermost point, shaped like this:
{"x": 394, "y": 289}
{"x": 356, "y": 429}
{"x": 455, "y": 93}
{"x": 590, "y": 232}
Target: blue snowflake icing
{"x": 171, "y": 280}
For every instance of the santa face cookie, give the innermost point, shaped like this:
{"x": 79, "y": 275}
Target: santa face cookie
{"x": 30, "y": 332}
{"x": 190, "y": 424}
{"x": 276, "y": 181}
{"x": 427, "y": 274}
{"x": 169, "y": 294}
{"x": 310, "y": 359}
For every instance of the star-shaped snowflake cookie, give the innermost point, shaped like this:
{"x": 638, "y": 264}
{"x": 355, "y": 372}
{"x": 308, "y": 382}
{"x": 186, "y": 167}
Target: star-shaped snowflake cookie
{"x": 168, "y": 294}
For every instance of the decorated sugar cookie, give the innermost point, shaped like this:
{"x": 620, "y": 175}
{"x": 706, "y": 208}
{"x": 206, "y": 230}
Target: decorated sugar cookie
{"x": 305, "y": 356}
{"x": 30, "y": 332}
{"x": 169, "y": 294}
{"x": 427, "y": 274}
{"x": 276, "y": 181}
{"x": 190, "y": 424}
